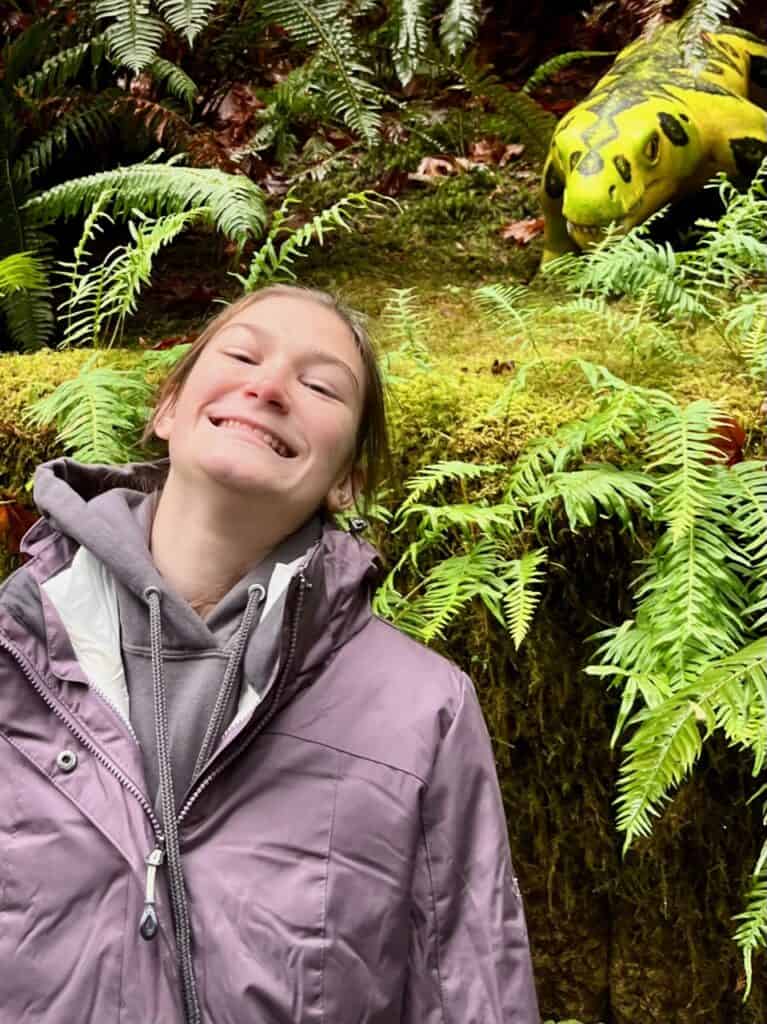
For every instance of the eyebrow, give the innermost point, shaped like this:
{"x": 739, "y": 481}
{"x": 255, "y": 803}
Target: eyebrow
{"x": 315, "y": 355}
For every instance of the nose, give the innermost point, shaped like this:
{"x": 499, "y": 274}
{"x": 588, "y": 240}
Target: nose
{"x": 269, "y": 386}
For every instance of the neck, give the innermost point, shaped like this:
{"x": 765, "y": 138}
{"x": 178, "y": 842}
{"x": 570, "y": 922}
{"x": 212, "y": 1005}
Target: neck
{"x": 204, "y": 545}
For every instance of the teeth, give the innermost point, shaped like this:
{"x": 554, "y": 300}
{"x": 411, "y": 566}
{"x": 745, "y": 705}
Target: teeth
{"x": 274, "y": 442}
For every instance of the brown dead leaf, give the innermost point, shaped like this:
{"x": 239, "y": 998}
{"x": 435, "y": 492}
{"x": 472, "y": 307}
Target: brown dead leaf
{"x": 511, "y": 152}
{"x": 15, "y": 520}
{"x": 522, "y": 231}
{"x": 437, "y": 167}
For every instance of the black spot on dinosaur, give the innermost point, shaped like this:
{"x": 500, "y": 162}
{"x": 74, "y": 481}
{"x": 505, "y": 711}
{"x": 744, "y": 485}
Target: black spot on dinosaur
{"x": 673, "y": 129}
{"x": 623, "y": 167}
{"x": 574, "y": 158}
{"x": 748, "y": 153}
{"x": 553, "y": 184}
{"x": 592, "y": 163}
{"x": 684, "y": 117}
{"x": 758, "y": 71}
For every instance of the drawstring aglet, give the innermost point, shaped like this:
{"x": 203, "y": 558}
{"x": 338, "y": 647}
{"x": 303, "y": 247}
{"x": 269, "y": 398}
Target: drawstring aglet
{"x": 149, "y": 924}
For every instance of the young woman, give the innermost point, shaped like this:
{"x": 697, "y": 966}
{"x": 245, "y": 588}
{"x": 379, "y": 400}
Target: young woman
{"x": 229, "y": 793}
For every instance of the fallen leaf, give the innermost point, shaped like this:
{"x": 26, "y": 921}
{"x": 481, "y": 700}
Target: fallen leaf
{"x": 522, "y": 231}
{"x": 511, "y": 152}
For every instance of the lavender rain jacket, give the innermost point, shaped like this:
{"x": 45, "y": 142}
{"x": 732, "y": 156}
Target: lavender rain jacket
{"x": 344, "y": 849}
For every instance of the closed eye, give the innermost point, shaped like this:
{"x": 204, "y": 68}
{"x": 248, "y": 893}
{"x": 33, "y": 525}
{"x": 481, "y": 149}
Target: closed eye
{"x": 241, "y": 357}
{"x": 320, "y": 388}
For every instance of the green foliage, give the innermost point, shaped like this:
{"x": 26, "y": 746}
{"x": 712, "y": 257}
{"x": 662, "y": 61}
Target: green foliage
{"x": 273, "y": 260}
{"x": 95, "y": 412}
{"x": 554, "y": 65}
{"x": 134, "y": 33}
{"x": 508, "y": 305}
{"x": 100, "y": 298}
{"x": 176, "y": 80}
{"x": 235, "y": 203}
{"x": 323, "y": 24}
{"x": 526, "y": 119}
{"x": 22, "y": 271}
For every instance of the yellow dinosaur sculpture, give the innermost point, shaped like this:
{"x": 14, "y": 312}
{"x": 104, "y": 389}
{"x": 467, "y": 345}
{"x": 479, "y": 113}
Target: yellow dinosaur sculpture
{"x": 651, "y": 131}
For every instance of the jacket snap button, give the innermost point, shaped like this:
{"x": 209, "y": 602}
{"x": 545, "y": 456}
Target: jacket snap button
{"x": 67, "y": 760}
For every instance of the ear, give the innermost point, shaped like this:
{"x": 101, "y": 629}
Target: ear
{"x": 163, "y": 419}
{"x": 342, "y": 494}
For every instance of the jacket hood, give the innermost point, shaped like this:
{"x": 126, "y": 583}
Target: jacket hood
{"x": 96, "y": 506}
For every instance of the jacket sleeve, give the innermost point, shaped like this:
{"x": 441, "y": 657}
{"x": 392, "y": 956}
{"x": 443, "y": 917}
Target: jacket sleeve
{"x": 469, "y": 959}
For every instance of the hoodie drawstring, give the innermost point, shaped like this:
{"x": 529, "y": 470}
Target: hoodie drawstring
{"x": 172, "y": 851}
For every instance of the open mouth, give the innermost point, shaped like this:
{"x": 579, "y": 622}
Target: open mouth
{"x": 594, "y": 231}
{"x": 278, "y": 446}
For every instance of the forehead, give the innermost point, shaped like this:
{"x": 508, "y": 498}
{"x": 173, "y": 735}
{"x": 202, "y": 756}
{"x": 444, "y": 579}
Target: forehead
{"x": 295, "y": 320}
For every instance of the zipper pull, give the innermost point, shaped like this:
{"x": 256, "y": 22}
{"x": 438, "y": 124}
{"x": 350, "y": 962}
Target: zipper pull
{"x": 149, "y": 924}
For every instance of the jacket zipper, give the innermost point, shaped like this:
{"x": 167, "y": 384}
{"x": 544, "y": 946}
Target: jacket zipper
{"x": 250, "y": 734}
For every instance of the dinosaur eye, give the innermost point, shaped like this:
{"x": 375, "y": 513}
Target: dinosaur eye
{"x": 574, "y": 158}
{"x": 652, "y": 147}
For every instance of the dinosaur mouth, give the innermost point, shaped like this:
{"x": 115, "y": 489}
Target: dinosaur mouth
{"x": 596, "y": 231}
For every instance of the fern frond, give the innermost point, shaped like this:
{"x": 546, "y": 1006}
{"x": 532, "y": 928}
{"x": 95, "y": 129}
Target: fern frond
{"x": 187, "y": 17}
{"x": 747, "y": 321}
{"x": 28, "y": 318}
{"x": 668, "y": 738}
{"x": 100, "y": 300}
{"x": 683, "y": 443}
{"x": 22, "y": 271}
{"x": 273, "y": 263}
{"x": 505, "y": 303}
{"x": 702, "y": 16}
{"x": 63, "y": 67}
{"x": 592, "y": 493}
{"x": 454, "y": 583}
{"x": 134, "y": 36}
{"x": 410, "y": 27}
{"x": 523, "y": 577}
{"x": 525, "y": 117}
{"x": 403, "y": 320}
{"x": 350, "y": 94}
{"x": 554, "y": 65}
{"x": 490, "y": 519}
{"x": 751, "y": 934}
{"x": 176, "y": 81}
{"x": 458, "y": 25}
{"x": 428, "y": 479}
{"x": 84, "y": 125}
{"x": 236, "y": 204}
{"x": 92, "y": 413}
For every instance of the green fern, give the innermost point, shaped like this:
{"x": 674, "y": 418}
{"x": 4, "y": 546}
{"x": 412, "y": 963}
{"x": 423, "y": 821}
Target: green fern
{"x": 100, "y": 300}
{"x": 236, "y": 204}
{"x": 554, "y": 65}
{"x": 506, "y": 304}
{"x": 187, "y": 17}
{"x": 747, "y": 322}
{"x": 591, "y": 493}
{"x": 349, "y": 92}
{"x": 525, "y": 117}
{"x": 751, "y": 934}
{"x": 430, "y": 478}
{"x": 522, "y": 577}
{"x": 134, "y": 35}
{"x": 23, "y": 271}
{"x": 411, "y": 32}
{"x": 176, "y": 81}
{"x": 63, "y": 67}
{"x": 85, "y": 124}
{"x": 273, "y": 261}
{"x": 458, "y": 26}
{"x": 94, "y": 412}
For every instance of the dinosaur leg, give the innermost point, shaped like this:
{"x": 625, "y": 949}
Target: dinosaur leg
{"x": 556, "y": 240}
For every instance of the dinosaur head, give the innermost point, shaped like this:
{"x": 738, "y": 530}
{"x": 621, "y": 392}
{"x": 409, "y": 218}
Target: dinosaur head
{"x": 617, "y": 163}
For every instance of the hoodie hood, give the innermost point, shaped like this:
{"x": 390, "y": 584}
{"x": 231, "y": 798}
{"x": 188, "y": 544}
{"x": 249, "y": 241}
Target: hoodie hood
{"x": 107, "y": 511}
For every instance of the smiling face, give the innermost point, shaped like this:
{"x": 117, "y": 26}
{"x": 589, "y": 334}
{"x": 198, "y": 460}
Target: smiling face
{"x": 271, "y": 409}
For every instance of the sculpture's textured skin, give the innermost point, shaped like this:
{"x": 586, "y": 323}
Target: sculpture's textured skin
{"x": 651, "y": 131}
